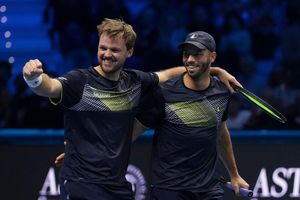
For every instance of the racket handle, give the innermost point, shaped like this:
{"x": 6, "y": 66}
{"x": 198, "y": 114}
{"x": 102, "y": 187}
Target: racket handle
{"x": 243, "y": 191}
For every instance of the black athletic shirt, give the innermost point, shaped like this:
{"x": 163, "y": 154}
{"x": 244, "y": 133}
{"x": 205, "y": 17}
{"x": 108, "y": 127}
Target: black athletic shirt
{"x": 184, "y": 154}
{"x": 98, "y": 118}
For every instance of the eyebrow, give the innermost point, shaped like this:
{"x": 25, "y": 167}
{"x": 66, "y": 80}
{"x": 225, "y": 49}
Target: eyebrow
{"x": 193, "y": 52}
{"x": 111, "y": 48}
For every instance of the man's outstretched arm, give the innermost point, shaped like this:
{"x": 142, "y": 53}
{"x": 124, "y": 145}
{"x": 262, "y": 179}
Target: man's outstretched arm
{"x": 39, "y": 82}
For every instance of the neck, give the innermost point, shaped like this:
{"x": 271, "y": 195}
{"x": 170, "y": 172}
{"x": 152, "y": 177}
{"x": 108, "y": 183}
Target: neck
{"x": 201, "y": 83}
{"x": 113, "y": 76}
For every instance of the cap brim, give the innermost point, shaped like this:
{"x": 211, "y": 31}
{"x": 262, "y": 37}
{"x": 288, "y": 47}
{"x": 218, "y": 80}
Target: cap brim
{"x": 196, "y": 44}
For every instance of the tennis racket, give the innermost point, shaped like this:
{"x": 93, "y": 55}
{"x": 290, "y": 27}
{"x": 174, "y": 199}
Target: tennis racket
{"x": 243, "y": 191}
{"x": 267, "y": 108}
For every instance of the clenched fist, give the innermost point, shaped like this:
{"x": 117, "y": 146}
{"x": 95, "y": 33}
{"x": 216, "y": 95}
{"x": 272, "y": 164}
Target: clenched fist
{"x": 32, "y": 69}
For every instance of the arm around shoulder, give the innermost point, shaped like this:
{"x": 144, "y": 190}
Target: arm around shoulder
{"x": 167, "y": 74}
{"x": 225, "y": 77}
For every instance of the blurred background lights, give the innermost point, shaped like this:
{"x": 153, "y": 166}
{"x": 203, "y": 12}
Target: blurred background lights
{"x": 8, "y": 44}
{"x": 11, "y": 59}
{"x": 2, "y": 8}
{"x": 7, "y": 34}
{"x": 3, "y": 19}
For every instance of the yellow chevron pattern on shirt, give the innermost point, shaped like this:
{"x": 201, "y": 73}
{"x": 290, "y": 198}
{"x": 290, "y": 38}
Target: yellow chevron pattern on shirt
{"x": 115, "y": 101}
{"x": 194, "y": 114}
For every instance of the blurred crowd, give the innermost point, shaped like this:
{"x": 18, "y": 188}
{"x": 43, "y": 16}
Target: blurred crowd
{"x": 257, "y": 41}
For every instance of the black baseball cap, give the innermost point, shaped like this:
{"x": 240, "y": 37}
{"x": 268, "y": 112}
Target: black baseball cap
{"x": 200, "y": 39}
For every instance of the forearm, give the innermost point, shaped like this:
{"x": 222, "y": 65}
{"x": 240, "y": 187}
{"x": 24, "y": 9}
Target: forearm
{"x": 167, "y": 74}
{"x": 216, "y": 71}
{"x": 39, "y": 82}
{"x": 49, "y": 87}
{"x": 225, "y": 77}
{"x": 226, "y": 152}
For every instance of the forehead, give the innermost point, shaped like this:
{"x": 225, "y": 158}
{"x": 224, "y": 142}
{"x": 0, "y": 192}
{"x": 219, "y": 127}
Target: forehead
{"x": 116, "y": 41}
{"x": 191, "y": 48}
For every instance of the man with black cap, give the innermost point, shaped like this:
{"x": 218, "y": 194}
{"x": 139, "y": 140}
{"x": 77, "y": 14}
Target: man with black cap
{"x": 188, "y": 114}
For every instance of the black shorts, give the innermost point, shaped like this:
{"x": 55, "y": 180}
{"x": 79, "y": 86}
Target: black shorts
{"x": 163, "y": 194}
{"x": 76, "y": 190}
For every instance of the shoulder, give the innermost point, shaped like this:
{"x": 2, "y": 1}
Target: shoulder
{"x": 76, "y": 74}
{"x": 137, "y": 73}
{"x": 147, "y": 79}
{"x": 80, "y": 72}
{"x": 173, "y": 89}
{"x": 218, "y": 87}
{"x": 173, "y": 86}
{"x": 174, "y": 83}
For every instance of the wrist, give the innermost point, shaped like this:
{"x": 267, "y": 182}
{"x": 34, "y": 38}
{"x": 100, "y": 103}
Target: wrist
{"x": 33, "y": 83}
{"x": 234, "y": 174}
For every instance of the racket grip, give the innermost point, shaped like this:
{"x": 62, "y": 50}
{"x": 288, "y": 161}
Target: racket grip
{"x": 243, "y": 191}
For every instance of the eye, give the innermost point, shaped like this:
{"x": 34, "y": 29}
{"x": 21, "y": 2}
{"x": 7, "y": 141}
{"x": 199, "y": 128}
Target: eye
{"x": 102, "y": 48}
{"x": 187, "y": 54}
{"x": 115, "y": 50}
{"x": 198, "y": 54}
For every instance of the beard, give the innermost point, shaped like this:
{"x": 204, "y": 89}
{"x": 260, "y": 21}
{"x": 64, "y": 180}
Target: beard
{"x": 110, "y": 70}
{"x": 109, "y": 65}
{"x": 199, "y": 70}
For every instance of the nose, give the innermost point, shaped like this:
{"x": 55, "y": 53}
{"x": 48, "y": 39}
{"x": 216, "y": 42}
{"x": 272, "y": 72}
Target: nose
{"x": 190, "y": 58}
{"x": 108, "y": 53}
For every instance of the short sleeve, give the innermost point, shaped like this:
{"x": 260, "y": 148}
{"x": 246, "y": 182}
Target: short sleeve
{"x": 73, "y": 84}
{"x": 149, "y": 80}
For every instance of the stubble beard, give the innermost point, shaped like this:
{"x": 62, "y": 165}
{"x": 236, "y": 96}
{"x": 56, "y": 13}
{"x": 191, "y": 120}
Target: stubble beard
{"x": 110, "y": 70}
{"x": 114, "y": 68}
{"x": 198, "y": 75}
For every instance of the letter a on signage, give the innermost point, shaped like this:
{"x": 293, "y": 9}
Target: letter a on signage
{"x": 262, "y": 184}
{"x": 49, "y": 187}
